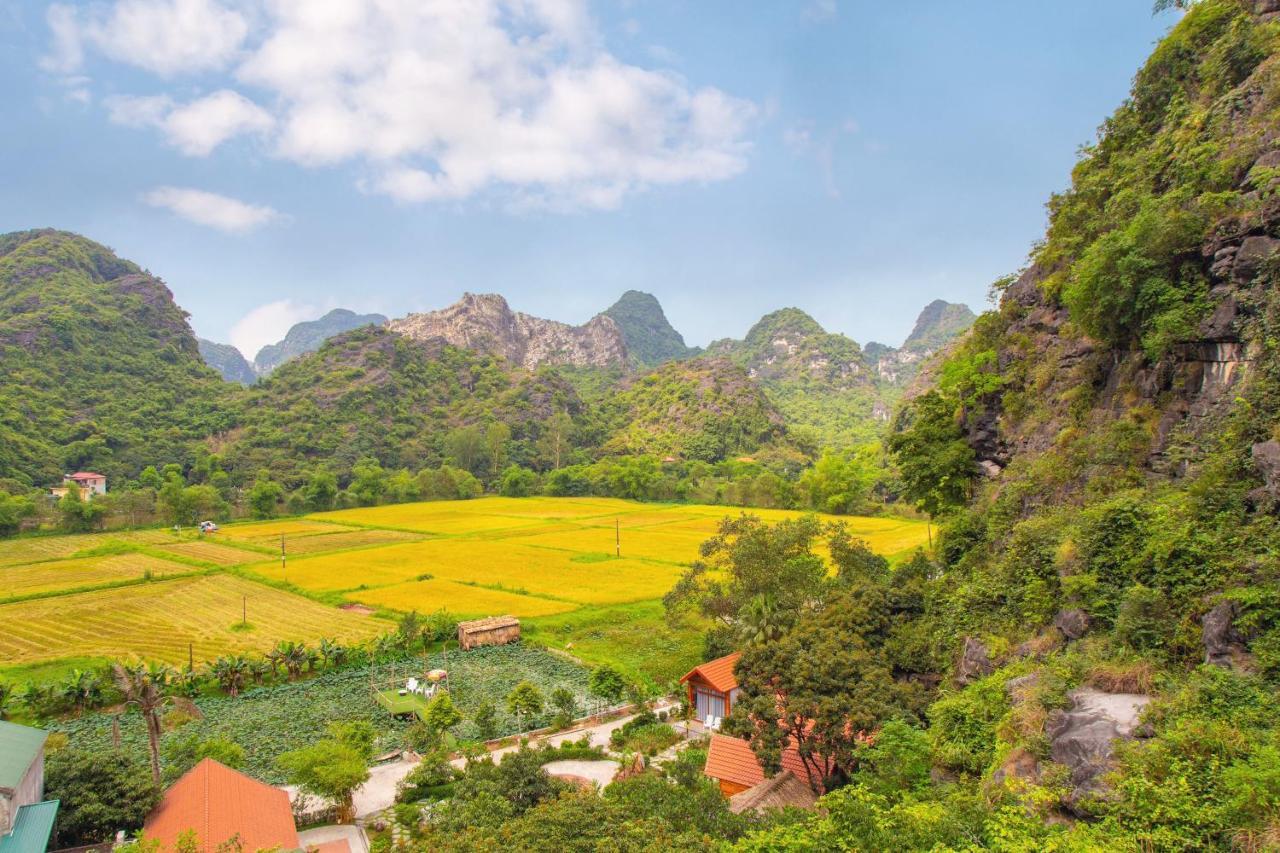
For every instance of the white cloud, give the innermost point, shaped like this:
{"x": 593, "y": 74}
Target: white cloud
{"x": 166, "y": 37}
{"x": 268, "y": 324}
{"x": 196, "y": 128}
{"x": 216, "y": 211}
{"x": 450, "y": 100}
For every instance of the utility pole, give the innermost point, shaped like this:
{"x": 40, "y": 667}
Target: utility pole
{"x": 617, "y": 536}
{"x": 283, "y": 569}
{"x": 244, "y": 610}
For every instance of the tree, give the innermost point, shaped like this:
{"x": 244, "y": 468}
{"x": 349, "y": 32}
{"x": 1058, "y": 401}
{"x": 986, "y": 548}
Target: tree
{"x": 333, "y": 767}
{"x": 182, "y": 752}
{"x": 937, "y": 465}
{"x": 465, "y": 448}
{"x": 496, "y": 437}
{"x": 100, "y": 793}
{"x": 518, "y": 482}
{"x": 554, "y": 445}
{"x": 232, "y": 673}
{"x": 368, "y": 481}
{"x": 841, "y": 483}
{"x": 820, "y": 687}
{"x": 265, "y": 496}
{"x": 525, "y": 700}
{"x": 566, "y": 705}
{"x": 607, "y": 683}
{"x": 83, "y": 689}
{"x": 13, "y": 510}
{"x": 441, "y": 715}
{"x": 748, "y": 558}
{"x": 761, "y": 621}
{"x": 6, "y": 698}
{"x": 80, "y": 514}
{"x": 203, "y": 502}
{"x": 143, "y": 687}
{"x": 486, "y": 720}
{"x": 321, "y": 490}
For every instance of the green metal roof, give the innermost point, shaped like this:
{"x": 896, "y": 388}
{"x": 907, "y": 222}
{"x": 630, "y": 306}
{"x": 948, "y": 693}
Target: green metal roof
{"x": 19, "y": 746}
{"x": 32, "y": 829}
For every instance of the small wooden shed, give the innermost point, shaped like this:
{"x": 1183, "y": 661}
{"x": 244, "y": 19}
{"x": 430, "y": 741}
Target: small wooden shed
{"x": 494, "y": 631}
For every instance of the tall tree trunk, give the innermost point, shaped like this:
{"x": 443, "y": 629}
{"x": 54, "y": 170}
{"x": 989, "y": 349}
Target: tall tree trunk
{"x": 153, "y": 741}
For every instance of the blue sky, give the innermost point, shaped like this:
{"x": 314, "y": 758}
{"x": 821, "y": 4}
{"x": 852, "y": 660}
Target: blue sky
{"x": 271, "y": 160}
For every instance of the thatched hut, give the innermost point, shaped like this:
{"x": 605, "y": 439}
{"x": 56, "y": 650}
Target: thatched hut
{"x": 494, "y": 631}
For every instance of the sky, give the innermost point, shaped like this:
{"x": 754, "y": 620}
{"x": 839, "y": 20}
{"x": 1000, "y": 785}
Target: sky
{"x": 273, "y": 159}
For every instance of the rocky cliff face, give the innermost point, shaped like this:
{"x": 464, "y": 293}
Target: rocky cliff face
{"x": 485, "y": 323}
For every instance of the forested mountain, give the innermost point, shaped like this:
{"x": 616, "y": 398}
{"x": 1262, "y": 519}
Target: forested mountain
{"x": 101, "y": 371}
{"x": 818, "y": 380}
{"x": 937, "y": 325}
{"x": 307, "y": 337}
{"x": 649, "y": 336}
{"x": 228, "y": 361}
{"x": 1098, "y": 640}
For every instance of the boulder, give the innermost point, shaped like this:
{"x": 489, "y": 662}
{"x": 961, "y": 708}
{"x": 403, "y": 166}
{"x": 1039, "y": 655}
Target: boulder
{"x": 1073, "y": 623}
{"x": 975, "y": 662}
{"x": 1253, "y": 253}
{"x": 1083, "y": 738}
{"x": 1223, "y": 260}
{"x": 1221, "y": 640}
{"x": 1266, "y": 460}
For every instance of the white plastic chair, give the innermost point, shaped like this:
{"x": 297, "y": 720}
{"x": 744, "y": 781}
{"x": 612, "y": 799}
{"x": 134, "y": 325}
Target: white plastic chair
{"x": 412, "y": 685}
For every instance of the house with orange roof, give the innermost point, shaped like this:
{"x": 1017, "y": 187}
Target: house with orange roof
{"x": 732, "y": 763}
{"x": 713, "y": 687}
{"x": 220, "y": 806}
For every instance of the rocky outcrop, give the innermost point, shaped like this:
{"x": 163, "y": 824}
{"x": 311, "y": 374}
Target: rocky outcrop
{"x": 310, "y": 335}
{"x": 485, "y": 323}
{"x": 975, "y": 661}
{"x": 1083, "y": 738}
{"x": 1223, "y": 644}
{"x": 1073, "y": 623}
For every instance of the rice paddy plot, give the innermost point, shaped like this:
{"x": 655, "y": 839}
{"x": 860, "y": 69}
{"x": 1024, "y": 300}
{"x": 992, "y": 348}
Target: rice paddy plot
{"x": 211, "y": 552}
{"x": 585, "y": 578}
{"x": 269, "y": 531}
{"x": 59, "y": 575}
{"x": 322, "y": 542}
{"x": 15, "y": 552}
{"x": 459, "y": 599}
{"x": 650, "y": 543}
{"x": 158, "y": 620}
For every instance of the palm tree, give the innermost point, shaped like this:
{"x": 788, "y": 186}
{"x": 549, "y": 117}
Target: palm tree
{"x": 327, "y": 649}
{"x": 143, "y": 686}
{"x": 232, "y": 673}
{"x": 277, "y": 656}
{"x": 761, "y": 621}
{"x": 82, "y": 689}
{"x": 295, "y": 658}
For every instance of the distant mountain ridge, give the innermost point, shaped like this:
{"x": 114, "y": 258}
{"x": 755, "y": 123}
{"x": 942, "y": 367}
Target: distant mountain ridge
{"x": 228, "y": 361}
{"x": 307, "y": 337}
{"x": 486, "y": 323}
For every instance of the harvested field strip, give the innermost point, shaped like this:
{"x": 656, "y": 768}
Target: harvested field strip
{"x": 158, "y": 620}
{"x": 459, "y": 599}
{"x": 60, "y": 575}
{"x": 211, "y": 552}
{"x": 269, "y": 530}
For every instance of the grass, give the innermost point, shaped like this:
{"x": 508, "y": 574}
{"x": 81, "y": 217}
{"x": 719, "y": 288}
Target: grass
{"x": 158, "y": 620}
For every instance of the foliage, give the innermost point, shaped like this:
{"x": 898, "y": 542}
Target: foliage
{"x": 333, "y": 767}
{"x": 186, "y": 750}
{"x": 100, "y": 793}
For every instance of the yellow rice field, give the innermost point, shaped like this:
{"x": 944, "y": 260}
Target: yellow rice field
{"x": 530, "y": 557}
{"x": 157, "y": 621}
{"x": 459, "y": 599}
{"x": 58, "y": 575}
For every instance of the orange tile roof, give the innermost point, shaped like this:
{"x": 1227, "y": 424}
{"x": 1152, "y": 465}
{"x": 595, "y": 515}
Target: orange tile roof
{"x": 718, "y": 673}
{"x": 85, "y": 475}
{"x": 731, "y": 760}
{"x": 219, "y": 804}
